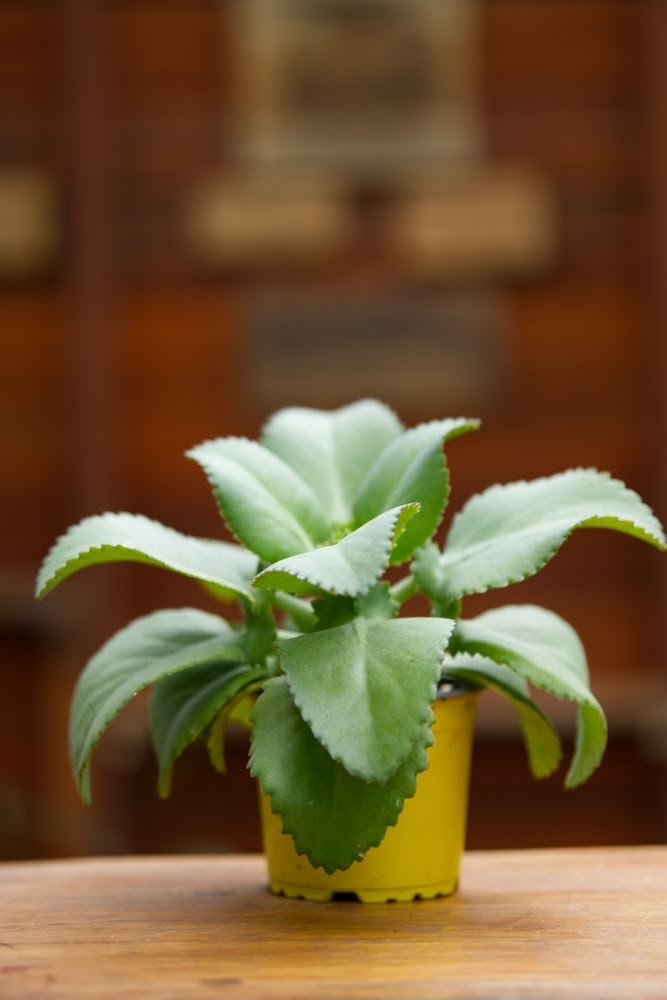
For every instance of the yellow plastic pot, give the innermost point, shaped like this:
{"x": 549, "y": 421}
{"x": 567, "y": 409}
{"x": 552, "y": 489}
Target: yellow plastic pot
{"x": 419, "y": 857}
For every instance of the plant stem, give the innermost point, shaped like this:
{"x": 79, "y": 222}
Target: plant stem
{"x": 404, "y": 589}
{"x": 299, "y": 611}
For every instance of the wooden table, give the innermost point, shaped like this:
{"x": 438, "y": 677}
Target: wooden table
{"x": 526, "y": 924}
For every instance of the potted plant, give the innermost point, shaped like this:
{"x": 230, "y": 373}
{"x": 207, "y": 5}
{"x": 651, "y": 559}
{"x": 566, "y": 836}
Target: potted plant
{"x": 335, "y": 513}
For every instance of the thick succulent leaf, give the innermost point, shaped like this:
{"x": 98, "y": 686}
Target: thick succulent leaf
{"x": 332, "y": 450}
{"x": 264, "y": 502}
{"x": 377, "y": 603}
{"x": 411, "y": 467}
{"x": 365, "y": 688}
{"x": 182, "y": 705}
{"x": 333, "y": 817}
{"x": 348, "y": 568}
{"x": 148, "y": 649}
{"x": 238, "y": 710}
{"x": 510, "y": 532}
{"x": 542, "y": 742}
{"x": 331, "y": 611}
{"x": 543, "y": 649}
{"x": 591, "y": 739}
{"x": 106, "y": 538}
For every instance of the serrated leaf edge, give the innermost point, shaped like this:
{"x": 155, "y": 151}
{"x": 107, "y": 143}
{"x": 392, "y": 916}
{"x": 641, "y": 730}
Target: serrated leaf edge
{"x": 45, "y": 583}
{"x": 294, "y": 833}
{"x": 418, "y": 724}
{"x": 400, "y": 515}
{"x": 81, "y": 767}
{"x": 205, "y": 466}
{"x": 598, "y": 521}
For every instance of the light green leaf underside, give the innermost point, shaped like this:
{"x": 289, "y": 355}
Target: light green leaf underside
{"x": 543, "y": 649}
{"x": 412, "y": 467}
{"x": 348, "y": 568}
{"x": 146, "y": 650}
{"x": 510, "y": 532}
{"x": 182, "y": 705}
{"x": 333, "y": 450}
{"x": 237, "y": 710}
{"x": 333, "y": 816}
{"x": 121, "y": 537}
{"x": 264, "y": 502}
{"x": 590, "y": 743}
{"x": 542, "y": 742}
{"x": 365, "y": 688}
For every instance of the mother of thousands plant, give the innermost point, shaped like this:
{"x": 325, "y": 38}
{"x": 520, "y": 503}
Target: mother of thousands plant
{"x": 339, "y": 683}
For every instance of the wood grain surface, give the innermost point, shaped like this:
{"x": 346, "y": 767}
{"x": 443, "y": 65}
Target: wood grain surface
{"x": 584, "y": 923}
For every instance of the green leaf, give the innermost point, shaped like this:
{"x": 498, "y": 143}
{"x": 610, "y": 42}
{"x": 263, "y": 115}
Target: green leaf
{"x": 365, "y": 688}
{"x": 182, "y": 706}
{"x": 238, "y": 710}
{"x": 411, "y": 467}
{"x": 543, "y": 649}
{"x": 264, "y": 502}
{"x": 214, "y": 738}
{"x": 331, "y": 610}
{"x": 510, "y": 532}
{"x": 108, "y": 538}
{"x": 146, "y": 650}
{"x": 333, "y": 817}
{"x": 348, "y": 568}
{"x": 377, "y": 603}
{"x": 333, "y": 450}
{"x": 259, "y": 632}
{"x": 541, "y": 739}
{"x": 591, "y": 739}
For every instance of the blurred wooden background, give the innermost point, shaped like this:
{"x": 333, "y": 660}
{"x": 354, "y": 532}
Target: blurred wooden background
{"x": 120, "y": 350}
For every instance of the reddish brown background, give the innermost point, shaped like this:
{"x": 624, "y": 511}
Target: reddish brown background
{"x": 122, "y": 355}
